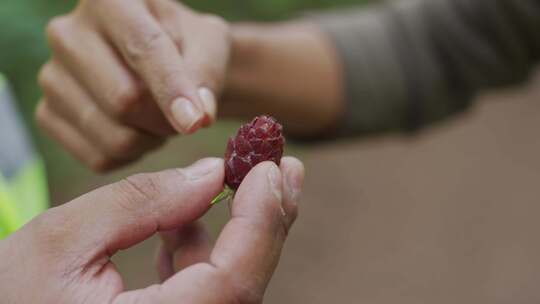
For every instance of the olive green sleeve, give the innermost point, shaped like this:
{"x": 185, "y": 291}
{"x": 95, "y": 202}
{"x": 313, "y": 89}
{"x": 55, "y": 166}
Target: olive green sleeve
{"x": 413, "y": 62}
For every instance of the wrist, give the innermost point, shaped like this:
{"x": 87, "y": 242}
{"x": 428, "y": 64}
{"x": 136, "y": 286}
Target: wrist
{"x": 289, "y": 70}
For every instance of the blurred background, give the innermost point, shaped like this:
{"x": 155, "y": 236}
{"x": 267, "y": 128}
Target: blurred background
{"x": 446, "y": 216}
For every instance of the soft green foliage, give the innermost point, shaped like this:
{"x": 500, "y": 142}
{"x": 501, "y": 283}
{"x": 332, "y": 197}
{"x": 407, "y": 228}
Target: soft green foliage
{"x": 22, "y": 44}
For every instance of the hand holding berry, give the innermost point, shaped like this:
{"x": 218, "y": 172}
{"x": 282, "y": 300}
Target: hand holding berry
{"x": 64, "y": 254}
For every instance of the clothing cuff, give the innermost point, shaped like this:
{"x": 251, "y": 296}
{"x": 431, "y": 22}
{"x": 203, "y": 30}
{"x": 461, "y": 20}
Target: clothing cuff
{"x": 375, "y": 90}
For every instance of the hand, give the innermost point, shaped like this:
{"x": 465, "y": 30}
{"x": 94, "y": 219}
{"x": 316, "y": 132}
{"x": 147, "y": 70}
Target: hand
{"x": 125, "y": 74}
{"x": 63, "y": 256}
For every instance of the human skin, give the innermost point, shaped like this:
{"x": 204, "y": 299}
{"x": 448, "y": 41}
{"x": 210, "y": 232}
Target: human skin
{"x": 289, "y": 70}
{"x": 125, "y": 75}
{"x": 64, "y": 254}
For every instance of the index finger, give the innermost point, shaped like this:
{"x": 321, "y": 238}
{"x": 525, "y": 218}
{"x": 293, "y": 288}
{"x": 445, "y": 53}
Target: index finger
{"x": 250, "y": 245}
{"x": 156, "y": 59}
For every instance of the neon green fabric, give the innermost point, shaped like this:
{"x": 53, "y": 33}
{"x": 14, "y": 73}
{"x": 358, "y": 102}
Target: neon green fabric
{"x": 24, "y": 195}
{"x": 8, "y": 212}
{"x": 29, "y": 189}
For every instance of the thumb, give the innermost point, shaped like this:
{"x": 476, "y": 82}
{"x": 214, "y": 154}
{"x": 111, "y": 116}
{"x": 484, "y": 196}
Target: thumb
{"x": 123, "y": 214}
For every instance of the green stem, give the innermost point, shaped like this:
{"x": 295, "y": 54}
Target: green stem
{"x": 226, "y": 194}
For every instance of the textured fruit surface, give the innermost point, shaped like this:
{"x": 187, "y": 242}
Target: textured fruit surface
{"x": 255, "y": 142}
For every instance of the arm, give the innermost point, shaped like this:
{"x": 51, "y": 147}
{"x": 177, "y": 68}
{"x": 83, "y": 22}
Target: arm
{"x": 290, "y": 70}
{"x": 392, "y": 67}
{"x": 396, "y": 66}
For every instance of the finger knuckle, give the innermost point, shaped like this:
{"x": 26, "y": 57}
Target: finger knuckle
{"x": 86, "y": 117}
{"x": 143, "y": 185}
{"x": 101, "y": 164}
{"x": 136, "y": 196}
{"x": 150, "y": 193}
{"x": 141, "y": 43}
{"x": 45, "y": 76}
{"x": 50, "y": 83}
{"x": 124, "y": 99}
{"x": 58, "y": 31}
{"x": 41, "y": 114}
{"x": 124, "y": 143}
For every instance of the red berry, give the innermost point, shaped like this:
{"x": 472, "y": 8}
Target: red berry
{"x": 255, "y": 142}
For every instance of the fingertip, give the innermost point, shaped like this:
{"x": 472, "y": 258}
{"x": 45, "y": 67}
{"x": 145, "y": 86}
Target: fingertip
{"x": 293, "y": 179}
{"x": 265, "y": 171}
{"x": 260, "y": 194}
{"x": 186, "y": 116}
{"x": 209, "y": 104}
{"x": 289, "y": 163}
{"x": 293, "y": 174}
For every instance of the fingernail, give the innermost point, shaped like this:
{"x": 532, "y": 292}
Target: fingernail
{"x": 209, "y": 102}
{"x": 274, "y": 177}
{"x": 202, "y": 168}
{"x": 294, "y": 181}
{"x": 185, "y": 114}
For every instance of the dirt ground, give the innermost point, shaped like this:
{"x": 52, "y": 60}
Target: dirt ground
{"x": 449, "y": 216}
